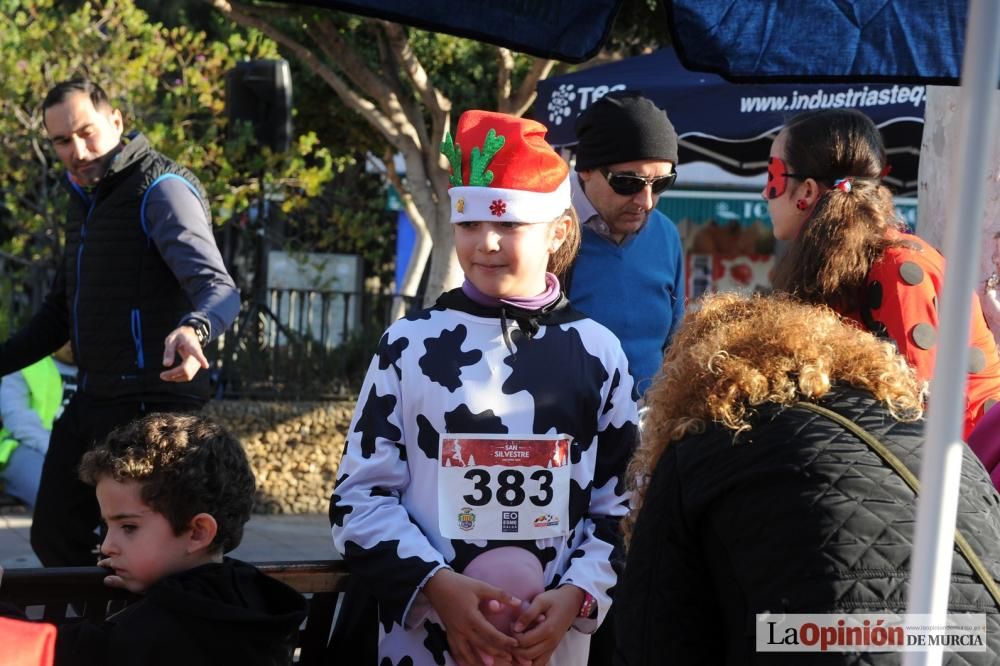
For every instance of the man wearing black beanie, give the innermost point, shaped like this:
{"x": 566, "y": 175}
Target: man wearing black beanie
{"x": 629, "y": 274}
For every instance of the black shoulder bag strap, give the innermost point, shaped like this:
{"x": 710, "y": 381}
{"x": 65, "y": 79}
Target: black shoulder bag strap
{"x": 911, "y": 480}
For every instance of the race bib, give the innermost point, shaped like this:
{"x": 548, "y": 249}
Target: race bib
{"x": 503, "y": 487}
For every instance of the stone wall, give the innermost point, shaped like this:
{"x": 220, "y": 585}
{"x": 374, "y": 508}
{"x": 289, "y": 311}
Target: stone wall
{"x": 294, "y": 449}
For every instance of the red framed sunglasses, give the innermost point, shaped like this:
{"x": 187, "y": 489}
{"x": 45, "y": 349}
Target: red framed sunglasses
{"x": 777, "y": 177}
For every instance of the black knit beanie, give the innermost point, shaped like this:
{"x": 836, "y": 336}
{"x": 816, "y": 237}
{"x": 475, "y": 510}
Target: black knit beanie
{"x": 623, "y": 126}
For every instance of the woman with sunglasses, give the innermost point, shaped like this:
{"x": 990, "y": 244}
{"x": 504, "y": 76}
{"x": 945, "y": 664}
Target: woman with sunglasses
{"x": 848, "y": 247}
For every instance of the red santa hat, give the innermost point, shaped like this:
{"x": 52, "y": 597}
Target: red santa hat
{"x": 502, "y": 170}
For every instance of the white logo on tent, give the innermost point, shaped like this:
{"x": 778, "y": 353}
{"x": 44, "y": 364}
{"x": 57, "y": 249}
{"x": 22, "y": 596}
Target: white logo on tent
{"x": 561, "y": 103}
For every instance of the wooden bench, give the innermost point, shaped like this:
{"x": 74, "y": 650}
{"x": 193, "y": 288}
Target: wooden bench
{"x": 49, "y": 593}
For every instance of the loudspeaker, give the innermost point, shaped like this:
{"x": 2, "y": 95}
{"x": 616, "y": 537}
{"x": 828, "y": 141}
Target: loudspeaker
{"x": 260, "y": 92}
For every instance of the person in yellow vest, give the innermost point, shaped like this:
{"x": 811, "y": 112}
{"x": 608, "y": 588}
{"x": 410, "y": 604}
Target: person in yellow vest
{"x": 30, "y": 402}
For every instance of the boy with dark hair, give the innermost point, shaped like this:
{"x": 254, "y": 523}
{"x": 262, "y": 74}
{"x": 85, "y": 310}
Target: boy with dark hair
{"x": 175, "y": 492}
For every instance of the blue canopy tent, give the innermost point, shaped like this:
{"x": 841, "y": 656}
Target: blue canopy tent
{"x": 822, "y": 40}
{"x": 890, "y": 40}
{"x": 567, "y": 30}
{"x": 732, "y": 125}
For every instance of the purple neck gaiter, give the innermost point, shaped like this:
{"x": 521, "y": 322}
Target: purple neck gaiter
{"x": 538, "y": 302}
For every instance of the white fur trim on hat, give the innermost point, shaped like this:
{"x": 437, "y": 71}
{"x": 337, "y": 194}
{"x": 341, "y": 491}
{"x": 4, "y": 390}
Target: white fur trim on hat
{"x": 497, "y": 204}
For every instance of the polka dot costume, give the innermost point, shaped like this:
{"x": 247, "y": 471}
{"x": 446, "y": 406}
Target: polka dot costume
{"x": 900, "y": 303}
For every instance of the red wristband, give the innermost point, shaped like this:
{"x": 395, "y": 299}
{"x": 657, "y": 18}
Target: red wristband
{"x": 588, "y": 606}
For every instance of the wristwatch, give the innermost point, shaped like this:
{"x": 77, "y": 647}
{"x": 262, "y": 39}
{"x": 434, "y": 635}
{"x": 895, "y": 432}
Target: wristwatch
{"x": 201, "y": 329}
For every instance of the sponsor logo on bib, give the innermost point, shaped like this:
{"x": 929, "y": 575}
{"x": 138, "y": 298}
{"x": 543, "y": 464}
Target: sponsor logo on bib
{"x": 509, "y": 522}
{"x": 546, "y": 520}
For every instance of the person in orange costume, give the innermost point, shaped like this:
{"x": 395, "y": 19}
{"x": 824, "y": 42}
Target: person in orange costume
{"x": 849, "y": 249}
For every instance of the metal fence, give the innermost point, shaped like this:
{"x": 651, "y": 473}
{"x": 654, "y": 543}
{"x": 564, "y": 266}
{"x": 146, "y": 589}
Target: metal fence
{"x": 302, "y": 344}
{"x": 297, "y": 344}
{"x": 316, "y": 318}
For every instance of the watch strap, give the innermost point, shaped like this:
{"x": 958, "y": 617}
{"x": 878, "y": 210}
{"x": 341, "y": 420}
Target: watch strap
{"x": 201, "y": 329}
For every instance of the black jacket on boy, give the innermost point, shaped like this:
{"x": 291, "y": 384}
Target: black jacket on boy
{"x": 228, "y": 613}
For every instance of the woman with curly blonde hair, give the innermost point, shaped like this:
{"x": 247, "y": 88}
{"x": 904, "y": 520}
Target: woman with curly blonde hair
{"x": 747, "y": 501}
{"x": 848, "y": 248}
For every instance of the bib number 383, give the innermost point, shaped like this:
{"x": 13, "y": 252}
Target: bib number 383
{"x": 503, "y": 487}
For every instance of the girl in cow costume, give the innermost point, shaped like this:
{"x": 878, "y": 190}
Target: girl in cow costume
{"x": 482, "y": 484}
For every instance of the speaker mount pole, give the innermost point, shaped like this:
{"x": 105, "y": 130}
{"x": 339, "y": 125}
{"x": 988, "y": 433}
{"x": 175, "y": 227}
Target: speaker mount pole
{"x": 252, "y": 323}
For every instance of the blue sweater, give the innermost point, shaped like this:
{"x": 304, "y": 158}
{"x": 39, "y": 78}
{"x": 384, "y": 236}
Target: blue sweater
{"x": 636, "y": 289}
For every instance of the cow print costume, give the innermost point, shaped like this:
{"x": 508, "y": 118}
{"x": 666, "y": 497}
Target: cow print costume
{"x": 460, "y": 367}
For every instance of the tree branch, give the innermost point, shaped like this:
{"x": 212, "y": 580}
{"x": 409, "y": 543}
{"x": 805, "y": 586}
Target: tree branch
{"x": 390, "y": 64}
{"x": 528, "y": 90}
{"x": 243, "y": 16}
{"x": 431, "y": 96}
{"x": 398, "y": 113}
{"x": 437, "y": 104}
{"x": 391, "y": 68}
{"x": 505, "y": 69}
{"x": 29, "y": 121}
{"x": 333, "y": 45}
{"x": 331, "y": 42}
{"x": 36, "y": 147}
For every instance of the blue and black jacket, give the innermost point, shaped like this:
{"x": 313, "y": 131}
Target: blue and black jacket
{"x": 139, "y": 258}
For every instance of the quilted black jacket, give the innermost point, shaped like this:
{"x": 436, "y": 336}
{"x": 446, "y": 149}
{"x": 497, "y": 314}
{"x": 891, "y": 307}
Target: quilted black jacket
{"x": 796, "y": 516}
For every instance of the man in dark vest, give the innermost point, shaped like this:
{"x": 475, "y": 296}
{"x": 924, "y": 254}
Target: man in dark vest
{"x": 141, "y": 289}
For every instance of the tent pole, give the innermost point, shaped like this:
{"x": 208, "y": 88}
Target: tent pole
{"x": 942, "y": 456}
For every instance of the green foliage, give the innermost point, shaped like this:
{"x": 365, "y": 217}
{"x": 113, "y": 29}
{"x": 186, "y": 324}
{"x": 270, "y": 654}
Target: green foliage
{"x": 168, "y": 82}
{"x": 464, "y": 70}
{"x": 349, "y": 217}
{"x": 641, "y": 25}
{"x": 199, "y": 16}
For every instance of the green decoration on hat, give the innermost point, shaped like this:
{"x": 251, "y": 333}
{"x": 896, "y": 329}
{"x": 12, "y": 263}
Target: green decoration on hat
{"x": 478, "y": 173}
{"x": 453, "y": 152}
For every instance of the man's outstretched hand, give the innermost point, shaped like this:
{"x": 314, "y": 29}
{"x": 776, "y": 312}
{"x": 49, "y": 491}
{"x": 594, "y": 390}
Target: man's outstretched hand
{"x": 183, "y": 343}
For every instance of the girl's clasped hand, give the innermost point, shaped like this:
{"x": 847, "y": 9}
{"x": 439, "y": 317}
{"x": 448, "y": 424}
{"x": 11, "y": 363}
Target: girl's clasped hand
{"x": 460, "y": 602}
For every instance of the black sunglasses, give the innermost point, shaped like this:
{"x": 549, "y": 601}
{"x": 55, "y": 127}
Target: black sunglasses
{"x": 627, "y": 184}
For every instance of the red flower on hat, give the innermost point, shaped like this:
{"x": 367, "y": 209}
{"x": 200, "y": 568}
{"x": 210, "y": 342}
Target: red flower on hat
{"x": 498, "y": 207}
